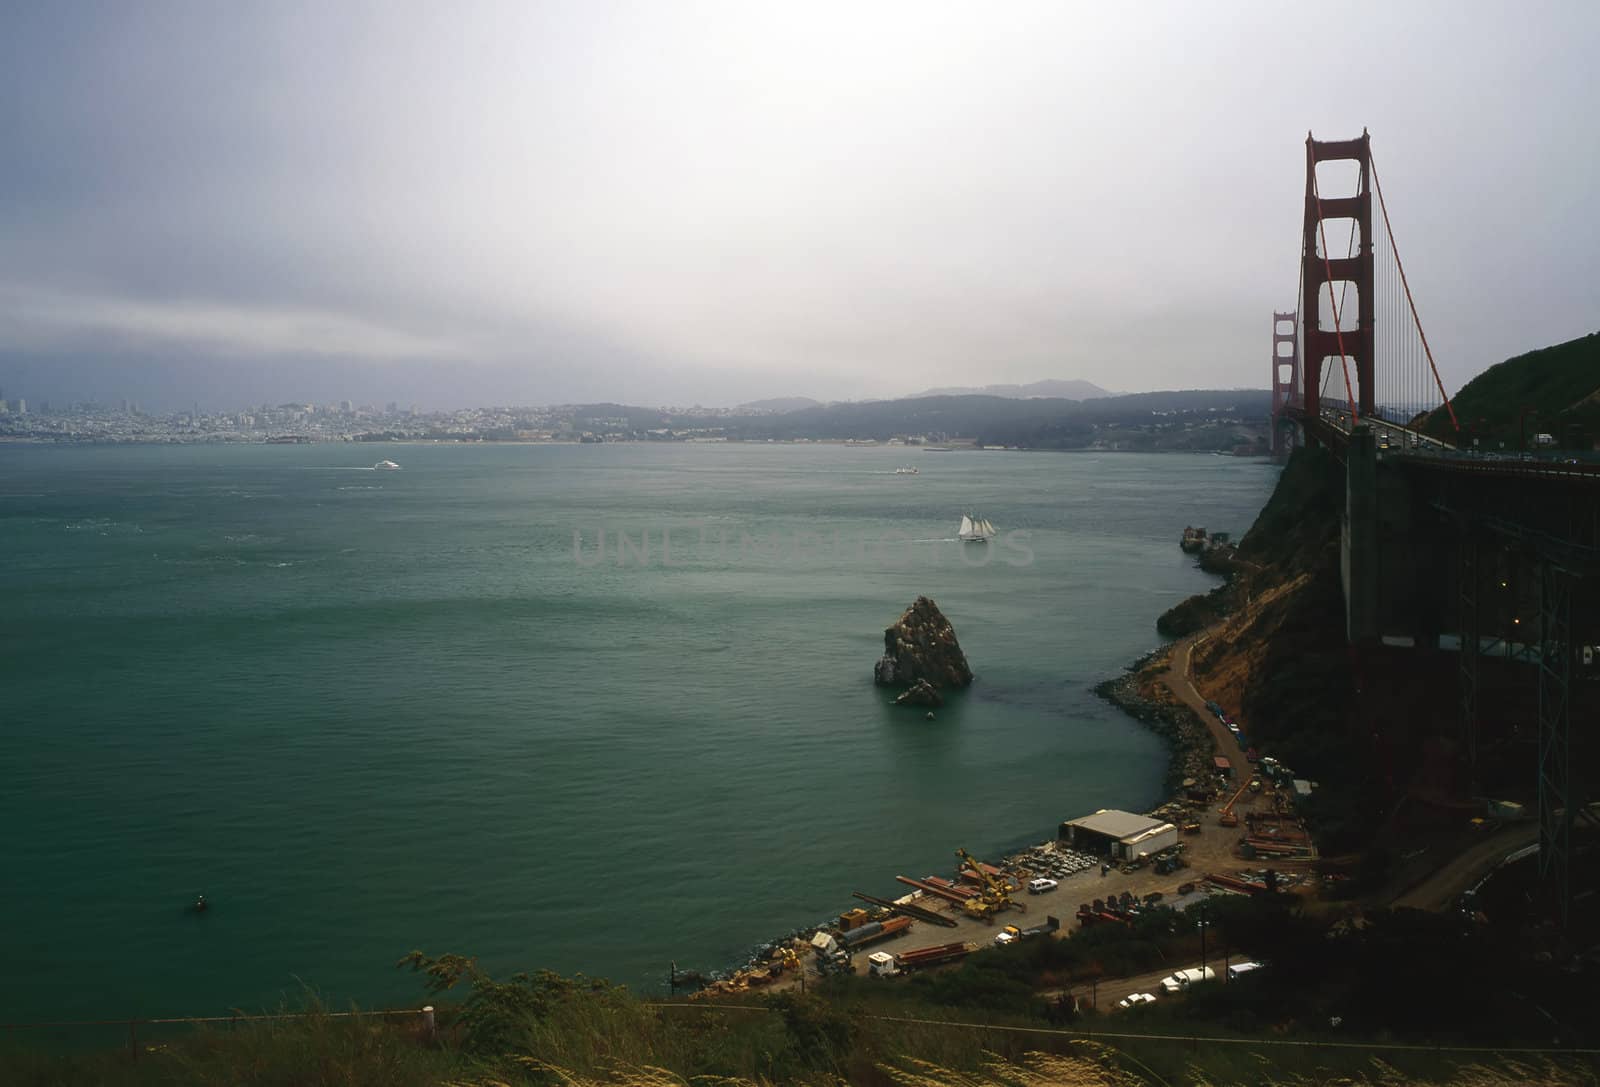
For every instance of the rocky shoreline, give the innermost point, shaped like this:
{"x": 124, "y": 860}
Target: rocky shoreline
{"x": 1140, "y": 694}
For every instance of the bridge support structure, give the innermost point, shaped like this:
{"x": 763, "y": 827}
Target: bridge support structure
{"x": 1358, "y": 552}
{"x": 1320, "y": 272}
{"x": 1557, "y": 807}
{"x": 1285, "y": 378}
{"x": 1468, "y": 584}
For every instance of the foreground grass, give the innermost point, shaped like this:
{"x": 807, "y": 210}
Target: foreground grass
{"x": 587, "y": 1033}
{"x": 1391, "y": 998}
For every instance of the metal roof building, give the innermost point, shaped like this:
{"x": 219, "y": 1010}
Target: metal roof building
{"x": 1119, "y": 833}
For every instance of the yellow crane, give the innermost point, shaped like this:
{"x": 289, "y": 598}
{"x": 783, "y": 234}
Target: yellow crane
{"x": 995, "y": 895}
{"x": 1228, "y": 818}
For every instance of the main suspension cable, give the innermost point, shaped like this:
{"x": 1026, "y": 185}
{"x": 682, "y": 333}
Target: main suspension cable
{"x": 1400, "y": 265}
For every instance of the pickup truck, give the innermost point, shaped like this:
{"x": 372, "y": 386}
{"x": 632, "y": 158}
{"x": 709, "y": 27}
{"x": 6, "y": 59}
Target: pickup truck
{"x": 1180, "y": 981}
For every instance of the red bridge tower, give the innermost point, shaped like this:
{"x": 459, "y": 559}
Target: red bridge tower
{"x": 1285, "y": 380}
{"x": 1322, "y": 272}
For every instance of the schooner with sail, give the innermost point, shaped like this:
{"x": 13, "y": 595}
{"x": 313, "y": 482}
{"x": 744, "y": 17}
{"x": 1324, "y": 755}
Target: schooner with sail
{"x": 975, "y": 530}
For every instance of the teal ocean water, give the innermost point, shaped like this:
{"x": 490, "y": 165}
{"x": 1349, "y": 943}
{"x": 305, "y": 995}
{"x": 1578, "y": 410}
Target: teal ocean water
{"x": 366, "y": 712}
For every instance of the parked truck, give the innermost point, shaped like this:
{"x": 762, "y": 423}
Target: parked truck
{"x": 834, "y": 948}
{"x": 1180, "y": 981}
{"x": 1012, "y": 934}
{"x": 883, "y": 964}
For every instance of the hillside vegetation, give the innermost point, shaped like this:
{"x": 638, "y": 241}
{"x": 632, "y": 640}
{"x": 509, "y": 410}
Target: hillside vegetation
{"x": 1561, "y": 384}
{"x": 999, "y": 1018}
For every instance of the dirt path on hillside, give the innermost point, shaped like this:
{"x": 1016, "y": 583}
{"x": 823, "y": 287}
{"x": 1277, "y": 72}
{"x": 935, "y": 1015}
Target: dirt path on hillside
{"x": 1179, "y": 680}
{"x": 1436, "y": 891}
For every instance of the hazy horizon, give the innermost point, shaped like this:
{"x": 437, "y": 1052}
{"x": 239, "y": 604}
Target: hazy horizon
{"x": 505, "y": 203}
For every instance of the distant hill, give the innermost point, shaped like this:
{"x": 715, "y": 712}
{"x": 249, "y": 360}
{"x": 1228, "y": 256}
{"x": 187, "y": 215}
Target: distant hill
{"x": 1560, "y": 383}
{"x": 1061, "y": 390}
{"x": 1201, "y": 419}
{"x": 779, "y": 405}
{"x": 997, "y": 420}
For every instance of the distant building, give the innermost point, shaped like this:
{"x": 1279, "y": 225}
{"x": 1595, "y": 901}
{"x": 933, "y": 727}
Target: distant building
{"x": 22, "y": 406}
{"x": 346, "y": 407}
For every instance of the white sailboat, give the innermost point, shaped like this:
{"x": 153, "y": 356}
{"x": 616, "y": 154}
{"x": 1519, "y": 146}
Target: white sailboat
{"x": 975, "y": 530}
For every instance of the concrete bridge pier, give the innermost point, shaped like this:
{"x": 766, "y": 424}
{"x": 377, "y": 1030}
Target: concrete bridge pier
{"x": 1358, "y": 543}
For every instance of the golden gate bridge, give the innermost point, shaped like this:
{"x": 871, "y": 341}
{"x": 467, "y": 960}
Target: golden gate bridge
{"x": 1444, "y": 548}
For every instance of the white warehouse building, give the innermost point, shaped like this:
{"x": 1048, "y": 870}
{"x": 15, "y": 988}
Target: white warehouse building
{"x": 1121, "y": 834}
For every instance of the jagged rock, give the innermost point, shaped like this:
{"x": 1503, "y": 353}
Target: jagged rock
{"x": 921, "y": 693}
{"x": 922, "y": 645}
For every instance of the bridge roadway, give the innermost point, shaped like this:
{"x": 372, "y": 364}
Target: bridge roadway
{"x": 1397, "y": 440}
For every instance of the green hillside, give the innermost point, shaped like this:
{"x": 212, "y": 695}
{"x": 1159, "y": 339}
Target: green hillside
{"x": 1561, "y": 385}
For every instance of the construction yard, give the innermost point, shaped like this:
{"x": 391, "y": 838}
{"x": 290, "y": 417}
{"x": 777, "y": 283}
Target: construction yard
{"x": 1211, "y": 851}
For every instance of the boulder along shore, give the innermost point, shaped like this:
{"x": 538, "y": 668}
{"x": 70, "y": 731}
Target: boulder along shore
{"x": 1140, "y": 694}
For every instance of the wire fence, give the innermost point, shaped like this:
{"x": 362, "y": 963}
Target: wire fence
{"x": 425, "y": 1021}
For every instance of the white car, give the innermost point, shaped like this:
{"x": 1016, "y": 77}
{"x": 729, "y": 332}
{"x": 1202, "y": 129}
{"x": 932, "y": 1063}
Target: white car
{"x": 1133, "y": 1000}
{"x": 1041, "y": 885}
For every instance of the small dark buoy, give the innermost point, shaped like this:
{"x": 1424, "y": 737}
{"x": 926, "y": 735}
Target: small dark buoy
{"x": 200, "y": 904}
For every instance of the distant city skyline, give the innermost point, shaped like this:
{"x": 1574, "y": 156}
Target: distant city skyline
{"x": 504, "y": 202}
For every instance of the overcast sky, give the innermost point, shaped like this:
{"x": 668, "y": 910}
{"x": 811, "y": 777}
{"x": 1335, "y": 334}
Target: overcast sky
{"x": 457, "y": 203}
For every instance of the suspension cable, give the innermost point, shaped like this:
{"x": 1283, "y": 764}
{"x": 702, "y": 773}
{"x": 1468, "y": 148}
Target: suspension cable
{"x": 1409, "y": 300}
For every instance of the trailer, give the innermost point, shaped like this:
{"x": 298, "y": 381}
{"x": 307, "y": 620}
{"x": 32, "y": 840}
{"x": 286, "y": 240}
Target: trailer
{"x": 908, "y": 910}
{"x": 1051, "y": 924}
{"x": 920, "y": 957}
{"x": 1228, "y": 883}
{"x": 873, "y": 931}
{"x": 934, "y": 889}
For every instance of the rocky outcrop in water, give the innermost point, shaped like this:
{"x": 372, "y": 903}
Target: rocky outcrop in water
{"x": 921, "y": 693}
{"x": 921, "y": 647}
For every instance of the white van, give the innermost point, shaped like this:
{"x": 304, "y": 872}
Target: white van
{"x": 1041, "y": 885}
{"x": 1239, "y": 969}
{"x": 1180, "y": 982}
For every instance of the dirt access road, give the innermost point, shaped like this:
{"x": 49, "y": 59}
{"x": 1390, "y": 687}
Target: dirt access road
{"x": 1177, "y": 680}
{"x": 1436, "y": 891}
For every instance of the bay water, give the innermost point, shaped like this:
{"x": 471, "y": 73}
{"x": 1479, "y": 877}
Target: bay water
{"x": 368, "y": 711}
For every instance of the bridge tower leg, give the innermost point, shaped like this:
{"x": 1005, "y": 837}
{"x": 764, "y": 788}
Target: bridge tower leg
{"x": 1556, "y": 801}
{"x": 1471, "y": 632}
{"x": 1358, "y": 551}
{"x": 1285, "y": 377}
{"x": 1317, "y": 272}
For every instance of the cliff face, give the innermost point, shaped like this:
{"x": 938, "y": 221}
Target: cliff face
{"x": 1278, "y": 657}
{"x": 921, "y": 645}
